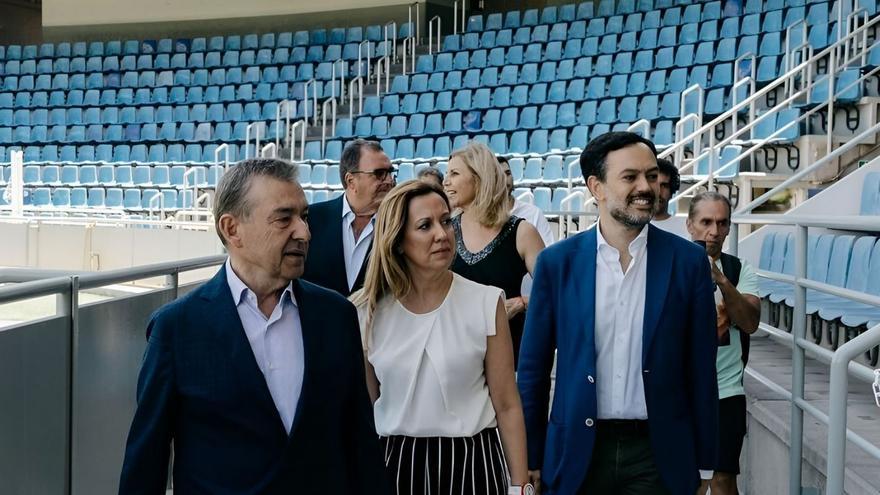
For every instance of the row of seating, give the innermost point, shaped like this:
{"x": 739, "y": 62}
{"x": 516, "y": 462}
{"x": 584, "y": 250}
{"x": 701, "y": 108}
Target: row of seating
{"x": 179, "y": 78}
{"x": 162, "y": 95}
{"x": 637, "y": 36}
{"x": 841, "y": 260}
{"x": 667, "y": 11}
{"x": 335, "y": 36}
{"x": 180, "y": 176}
{"x": 147, "y": 114}
{"x": 210, "y": 60}
{"x": 124, "y": 153}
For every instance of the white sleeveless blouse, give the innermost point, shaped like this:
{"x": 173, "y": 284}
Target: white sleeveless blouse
{"x": 430, "y": 366}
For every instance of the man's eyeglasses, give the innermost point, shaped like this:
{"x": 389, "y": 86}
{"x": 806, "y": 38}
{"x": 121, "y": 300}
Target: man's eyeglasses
{"x": 380, "y": 173}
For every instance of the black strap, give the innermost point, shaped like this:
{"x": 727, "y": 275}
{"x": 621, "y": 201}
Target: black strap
{"x": 731, "y": 266}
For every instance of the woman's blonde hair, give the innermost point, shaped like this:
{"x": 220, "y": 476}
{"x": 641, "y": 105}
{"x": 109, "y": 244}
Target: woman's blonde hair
{"x": 387, "y": 273}
{"x": 490, "y": 205}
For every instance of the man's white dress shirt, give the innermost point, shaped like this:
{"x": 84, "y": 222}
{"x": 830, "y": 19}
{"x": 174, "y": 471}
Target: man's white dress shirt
{"x": 355, "y": 250}
{"x": 276, "y": 342}
{"x": 532, "y": 214}
{"x": 620, "y": 313}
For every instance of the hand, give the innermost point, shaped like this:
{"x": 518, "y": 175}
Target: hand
{"x": 717, "y": 275}
{"x": 514, "y": 306}
{"x": 535, "y": 480}
{"x": 704, "y": 487}
{"x": 723, "y": 321}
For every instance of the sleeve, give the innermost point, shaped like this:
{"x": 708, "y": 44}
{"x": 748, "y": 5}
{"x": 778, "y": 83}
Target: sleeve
{"x": 702, "y": 353}
{"x": 536, "y": 360}
{"x": 544, "y": 229}
{"x": 748, "y": 280}
{"x": 145, "y": 466}
{"x": 490, "y": 307}
{"x": 366, "y": 463}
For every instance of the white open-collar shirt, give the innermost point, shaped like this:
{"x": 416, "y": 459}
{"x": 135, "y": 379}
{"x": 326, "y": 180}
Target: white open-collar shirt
{"x": 355, "y": 250}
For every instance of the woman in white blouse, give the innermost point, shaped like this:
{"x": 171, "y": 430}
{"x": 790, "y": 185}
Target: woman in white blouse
{"x": 439, "y": 358}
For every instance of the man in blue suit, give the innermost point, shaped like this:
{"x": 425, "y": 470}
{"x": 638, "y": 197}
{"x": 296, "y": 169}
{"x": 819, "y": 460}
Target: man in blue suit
{"x": 256, "y": 377}
{"x": 629, "y": 310}
{"x": 342, "y": 228}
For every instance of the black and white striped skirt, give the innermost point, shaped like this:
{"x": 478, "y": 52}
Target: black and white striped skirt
{"x": 447, "y": 465}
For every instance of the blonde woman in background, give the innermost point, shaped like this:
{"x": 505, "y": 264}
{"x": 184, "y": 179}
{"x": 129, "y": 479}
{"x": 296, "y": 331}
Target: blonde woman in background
{"x": 439, "y": 358}
{"x": 493, "y": 247}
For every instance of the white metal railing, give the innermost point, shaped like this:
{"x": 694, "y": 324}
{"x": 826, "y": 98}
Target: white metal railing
{"x": 431, "y": 34}
{"x": 269, "y": 151}
{"x": 300, "y": 125}
{"x": 383, "y": 66}
{"x": 355, "y": 86}
{"x": 455, "y": 19}
{"x": 333, "y": 76}
{"x": 409, "y": 53}
{"x": 324, "y": 113}
{"x": 796, "y": 93}
{"x": 739, "y": 82}
{"x": 840, "y": 360}
{"x": 417, "y": 25}
{"x": 313, "y": 84}
{"x": 285, "y": 106}
{"x": 223, "y": 148}
{"x": 365, "y": 52}
{"x": 156, "y": 205}
{"x": 255, "y": 128}
{"x": 392, "y": 38}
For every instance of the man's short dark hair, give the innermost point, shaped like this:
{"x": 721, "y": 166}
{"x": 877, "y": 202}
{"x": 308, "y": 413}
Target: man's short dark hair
{"x": 708, "y": 196}
{"x": 351, "y": 156}
{"x": 667, "y": 168}
{"x": 432, "y": 171}
{"x": 593, "y": 157}
{"x": 502, "y": 159}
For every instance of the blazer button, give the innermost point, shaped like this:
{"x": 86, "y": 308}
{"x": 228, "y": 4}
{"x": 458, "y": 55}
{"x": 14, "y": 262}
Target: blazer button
{"x": 589, "y": 422}
{"x": 591, "y": 379}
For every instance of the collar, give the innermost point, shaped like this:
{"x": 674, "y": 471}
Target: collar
{"x": 635, "y": 245}
{"x": 348, "y": 213}
{"x": 240, "y": 290}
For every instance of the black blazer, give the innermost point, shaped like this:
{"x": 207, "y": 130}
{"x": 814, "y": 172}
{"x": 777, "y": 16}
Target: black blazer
{"x": 325, "y": 262}
{"x": 201, "y": 387}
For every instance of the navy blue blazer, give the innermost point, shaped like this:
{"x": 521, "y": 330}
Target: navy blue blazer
{"x": 678, "y": 362}
{"x": 201, "y": 387}
{"x": 325, "y": 263}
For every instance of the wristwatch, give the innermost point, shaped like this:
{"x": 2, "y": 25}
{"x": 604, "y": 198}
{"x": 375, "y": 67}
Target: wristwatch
{"x": 527, "y": 489}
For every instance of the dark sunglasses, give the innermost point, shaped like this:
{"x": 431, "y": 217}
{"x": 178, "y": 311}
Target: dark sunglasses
{"x": 380, "y": 173}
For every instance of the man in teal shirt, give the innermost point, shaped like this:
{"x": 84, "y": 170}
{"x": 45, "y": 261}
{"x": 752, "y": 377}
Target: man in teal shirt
{"x": 739, "y": 312}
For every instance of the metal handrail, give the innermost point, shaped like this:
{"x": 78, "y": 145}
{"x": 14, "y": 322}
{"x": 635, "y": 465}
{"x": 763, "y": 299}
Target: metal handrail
{"x": 368, "y": 55}
{"x": 285, "y": 104}
{"x": 301, "y": 124}
{"x": 431, "y": 34}
{"x": 258, "y": 132}
{"x": 224, "y": 148}
{"x": 417, "y": 25}
{"x": 393, "y": 25}
{"x": 409, "y": 52}
{"x": 679, "y": 138}
{"x": 314, "y": 85}
{"x": 851, "y": 20}
{"x": 269, "y": 148}
{"x": 157, "y": 202}
{"x": 387, "y": 71}
{"x": 455, "y": 17}
{"x": 643, "y": 126}
{"x": 738, "y": 81}
{"x": 342, "y": 72}
{"x": 707, "y": 127}
{"x": 360, "y": 92}
{"x": 324, "y": 112}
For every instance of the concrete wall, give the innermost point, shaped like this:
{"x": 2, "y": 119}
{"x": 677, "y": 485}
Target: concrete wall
{"x": 78, "y": 247}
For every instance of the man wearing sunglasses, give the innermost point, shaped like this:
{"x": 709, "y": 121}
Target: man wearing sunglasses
{"x": 342, "y": 228}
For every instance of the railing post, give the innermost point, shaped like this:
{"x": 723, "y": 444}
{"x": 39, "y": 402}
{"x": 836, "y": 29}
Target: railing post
{"x": 797, "y": 387}
{"x": 831, "y": 77}
{"x": 332, "y": 102}
{"x": 360, "y": 92}
{"x": 285, "y": 104}
{"x": 837, "y": 399}
{"x": 431, "y": 36}
{"x": 393, "y": 37}
{"x": 367, "y": 54}
{"x": 258, "y": 131}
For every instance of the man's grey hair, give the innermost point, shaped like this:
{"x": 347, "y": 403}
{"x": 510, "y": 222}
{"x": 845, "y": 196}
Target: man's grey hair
{"x": 351, "y": 156}
{"x": 230, "y": 196}
{"x": 708, "y": 196}
{"x": 433, "y": 171}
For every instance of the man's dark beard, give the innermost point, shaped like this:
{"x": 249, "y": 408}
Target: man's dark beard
{"x": 633, "y": 221}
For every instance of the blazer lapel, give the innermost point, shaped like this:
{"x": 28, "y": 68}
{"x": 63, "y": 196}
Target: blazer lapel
{"x": 584, "y": 273}
{"x": 310, "y": 322}
{"x": 659, "y": 270}
{"x": 338, "y": 256}
{"x": 221, "y": 310}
